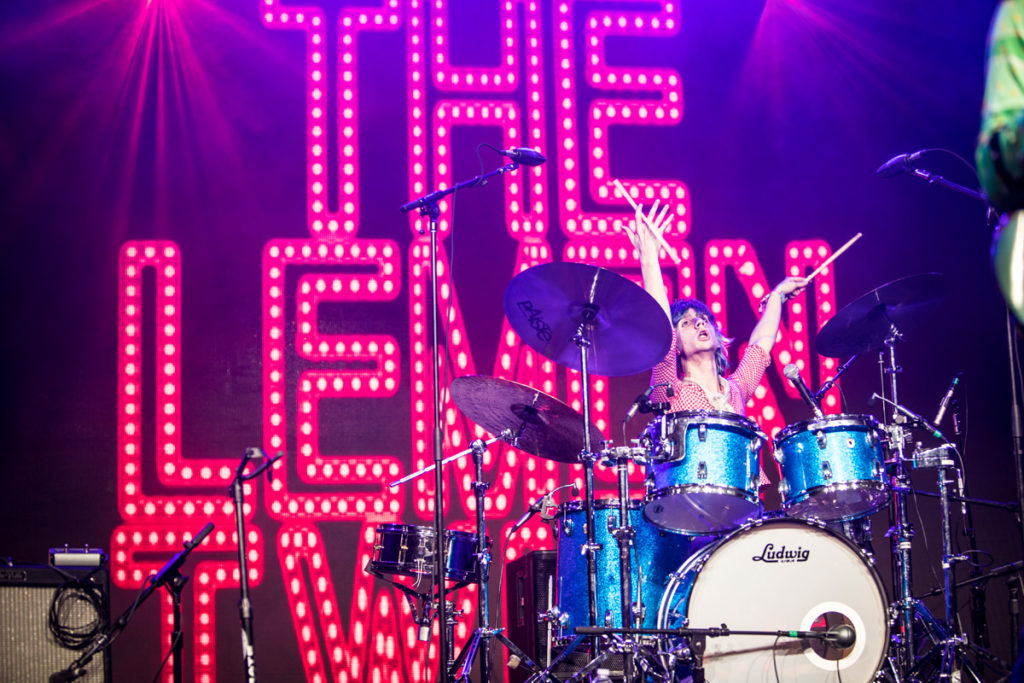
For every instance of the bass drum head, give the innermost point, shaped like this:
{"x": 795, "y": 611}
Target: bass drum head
{"x": 781, "y": 575}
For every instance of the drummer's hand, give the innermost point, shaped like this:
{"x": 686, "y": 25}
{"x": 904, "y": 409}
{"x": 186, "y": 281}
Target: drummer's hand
{"x": 791, "y": 286}
{"x": 645, "y": 231}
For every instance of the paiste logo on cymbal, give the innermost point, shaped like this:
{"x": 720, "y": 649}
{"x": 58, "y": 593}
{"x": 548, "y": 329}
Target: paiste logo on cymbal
{"x": 536, "y": 319}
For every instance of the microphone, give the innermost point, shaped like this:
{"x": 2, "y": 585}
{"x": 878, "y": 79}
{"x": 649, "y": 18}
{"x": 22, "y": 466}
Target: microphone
{"x": 524, "y": 156}
{"x": 174, "y": 564}
{"x": 839, "y": 637}
{"x": 946, "y": 399}
{"x": 67, "y": 675}
{"x": 898, "y": 164}
{"x": 914, "y": 417}
{"x": 842, "y": 636}
{"x": 792, "y": 372}
{"x": 540, "y": 504}
{"x": 640, "y": 400}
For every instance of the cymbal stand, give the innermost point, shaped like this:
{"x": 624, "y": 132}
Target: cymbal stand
{"x": 458, "y": 668}
{"x": 588, "y": 314}
{"x": 901, "y": 532}
{"x": 947, "y": 644}
{"x": 481, "y": 640}
{"x": 624, "y": 535}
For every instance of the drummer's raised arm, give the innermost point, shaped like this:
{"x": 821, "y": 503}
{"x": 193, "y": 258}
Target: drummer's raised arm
{"x": 643, "y": 233}
{"x": 767, "y": 328}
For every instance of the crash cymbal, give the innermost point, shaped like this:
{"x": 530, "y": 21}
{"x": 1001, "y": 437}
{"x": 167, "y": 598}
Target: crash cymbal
{"x": 550, "y": 428}
{"x": 626, "y": 329}
{"x": 864, "y": 324}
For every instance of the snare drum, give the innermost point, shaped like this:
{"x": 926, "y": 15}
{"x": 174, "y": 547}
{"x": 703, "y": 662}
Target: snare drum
{"x": 781, "y": 575}
{"x": 408, "y": 550}
{"x": 704, "y": 471}
{"x": 656, "y": 554}
{"x": 833, "y": 468}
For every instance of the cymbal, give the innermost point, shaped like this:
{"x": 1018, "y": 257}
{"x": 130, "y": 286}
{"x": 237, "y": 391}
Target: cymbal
{"x": 865, "y": 323}
{"x": 550, "y": 428}
{"x": 626, "y": 329}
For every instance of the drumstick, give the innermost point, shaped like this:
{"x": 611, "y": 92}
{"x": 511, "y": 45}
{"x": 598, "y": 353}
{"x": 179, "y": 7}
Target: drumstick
{"x": 661, "y": 240}
{"x": 835, "y": 255}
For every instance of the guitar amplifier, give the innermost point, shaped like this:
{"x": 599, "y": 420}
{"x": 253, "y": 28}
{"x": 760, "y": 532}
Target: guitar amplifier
{"x": 75, "y": 600}
{"x": 531, "y": 579}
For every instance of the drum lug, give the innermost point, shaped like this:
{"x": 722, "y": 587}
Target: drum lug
{"x": 822, "y": 440}
{"x": 567, "y": 526}
{"x": 702, "y": 470}
{"x": 779, "y": 455}
{"x": 702, "y": 432}
{"x": 783, "y": 489}
{"x": 877, "y": 469}
{"x": 826, "y": 469}
{"x": 608, "y": 619}
{"x": 872, "y": 438}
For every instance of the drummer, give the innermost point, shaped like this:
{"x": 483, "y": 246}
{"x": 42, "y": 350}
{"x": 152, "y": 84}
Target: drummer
{"x": 696, "y": 366}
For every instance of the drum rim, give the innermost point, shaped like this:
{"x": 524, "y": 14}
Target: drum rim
{"x": 600, "y": 503}
{"x": 731, "y": 491}
{"x": 766, "y": 521}
{"x": 827, "y": 422}
{"x": 701, "y": 556}
{"x": 750, "y": 497}
{"x": 426, "y": 530}
{"x": 723, "y": 417}
{"x": 855, "y": 485}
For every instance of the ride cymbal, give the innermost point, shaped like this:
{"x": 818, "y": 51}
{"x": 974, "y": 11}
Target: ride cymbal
{"x": 624, "y": 329}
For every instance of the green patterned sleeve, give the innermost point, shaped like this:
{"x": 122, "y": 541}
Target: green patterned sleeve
{"x": 1000, "y": 151}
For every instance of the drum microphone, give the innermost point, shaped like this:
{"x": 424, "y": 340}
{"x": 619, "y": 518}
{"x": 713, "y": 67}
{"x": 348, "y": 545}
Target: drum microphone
{"x": 898, "y": 164}
{"x": 642, "y": 399}
{"x": 792, "y": 372}
{"x": 946, "y": 399}
{"x": 540, "y": 504}
{"x": 524, "y": 156}
{"x": 914, "y": 417}
{"x": 838, "y": 637}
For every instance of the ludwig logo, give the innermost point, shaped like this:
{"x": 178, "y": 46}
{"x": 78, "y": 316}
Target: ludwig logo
{"x": 783, "y": 554}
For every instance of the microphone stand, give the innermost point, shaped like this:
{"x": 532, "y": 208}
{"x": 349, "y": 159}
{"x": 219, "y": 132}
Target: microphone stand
{"x": 428, "y": 207}
{"x": 1016, "y": 381}
{"x": 1016, "y": 424}
{"x": 170, "y": 576}
{"x": 979, "y": 621}
{"x": 244, "y": 603}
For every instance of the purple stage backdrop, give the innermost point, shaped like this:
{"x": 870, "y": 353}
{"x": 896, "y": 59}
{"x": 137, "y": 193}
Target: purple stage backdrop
{"x": 203, "y": 252}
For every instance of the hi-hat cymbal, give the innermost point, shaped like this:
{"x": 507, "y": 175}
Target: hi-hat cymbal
{"x": 865, "y": 323}
{"x": 549, "y": 428}
{"x": 625, "y": 329}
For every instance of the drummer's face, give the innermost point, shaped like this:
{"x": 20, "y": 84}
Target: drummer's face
{"x": 694, "y": 333}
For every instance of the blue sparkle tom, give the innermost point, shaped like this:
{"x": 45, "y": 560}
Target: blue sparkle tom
{"x": 703, "y": 472}
{"x": 833, "y": 468}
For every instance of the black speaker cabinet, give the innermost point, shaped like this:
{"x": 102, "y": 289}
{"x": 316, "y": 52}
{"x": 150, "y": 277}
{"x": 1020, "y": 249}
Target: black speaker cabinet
{"x": 527, "y": 596}
{"x": 529, "y": 586}
{"x": 29, "y": 650}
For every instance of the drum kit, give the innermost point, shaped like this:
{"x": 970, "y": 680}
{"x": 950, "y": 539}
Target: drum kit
{"x": 694, "y": 579}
